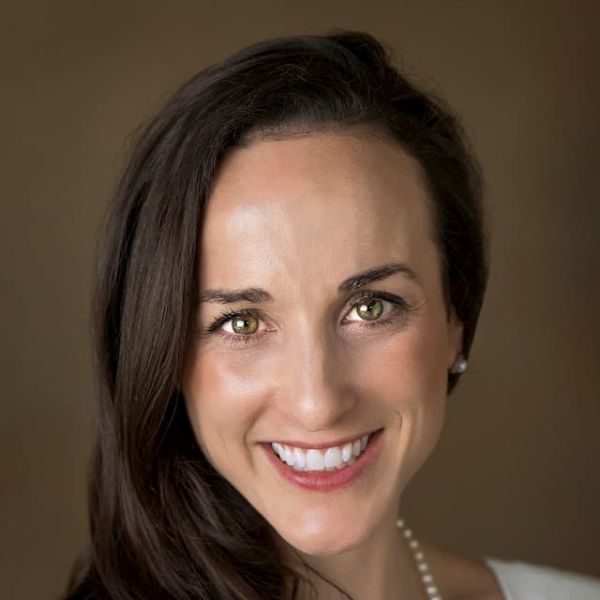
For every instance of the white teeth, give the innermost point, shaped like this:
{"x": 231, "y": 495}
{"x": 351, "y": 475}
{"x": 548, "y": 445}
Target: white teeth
{"x": 289, "y": 456}
{"x": 346, "y": 452}
{"x": 333, "y": 458}
{"x": 315, "y": 460}
{"x": 330, "y": 459}
{"x": 300, "y": 457}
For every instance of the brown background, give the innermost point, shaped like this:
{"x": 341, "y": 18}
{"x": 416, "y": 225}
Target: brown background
{"x": 516, "y": 472}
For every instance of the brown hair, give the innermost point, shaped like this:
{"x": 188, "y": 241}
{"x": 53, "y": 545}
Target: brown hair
{"x": 163, "y": 523}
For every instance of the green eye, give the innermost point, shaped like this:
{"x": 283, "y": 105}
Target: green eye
{"x": 370, "y": 310}
{"x": 244, "y": 324}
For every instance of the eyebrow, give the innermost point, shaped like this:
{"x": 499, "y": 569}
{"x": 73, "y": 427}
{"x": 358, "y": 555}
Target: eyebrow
{"x": 258, "y": 295}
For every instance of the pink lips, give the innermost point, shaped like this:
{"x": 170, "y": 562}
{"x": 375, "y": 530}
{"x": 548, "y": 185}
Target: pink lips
{"x": 325, "y": 481}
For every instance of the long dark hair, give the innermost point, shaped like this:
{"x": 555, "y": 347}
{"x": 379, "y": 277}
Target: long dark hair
{"x": 163, "y": 523}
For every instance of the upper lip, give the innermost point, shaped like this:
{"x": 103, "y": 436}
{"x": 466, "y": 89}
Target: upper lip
{"x": 315, "y": 445}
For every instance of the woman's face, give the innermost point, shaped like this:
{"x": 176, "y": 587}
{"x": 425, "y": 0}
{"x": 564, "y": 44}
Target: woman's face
{"x": 309, "y": 362}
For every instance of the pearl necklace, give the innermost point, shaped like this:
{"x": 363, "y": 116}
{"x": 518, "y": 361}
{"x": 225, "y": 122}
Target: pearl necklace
{"x": 431, "y": 590}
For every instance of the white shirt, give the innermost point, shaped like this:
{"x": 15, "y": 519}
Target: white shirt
{"x": 525, "y": 581}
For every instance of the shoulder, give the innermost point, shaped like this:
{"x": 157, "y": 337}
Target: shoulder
{"x": 525, "y": 580}
{"x": 462, "y": 577}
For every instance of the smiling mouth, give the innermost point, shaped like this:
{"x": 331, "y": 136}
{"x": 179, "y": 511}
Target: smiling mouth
{"x": 332, "y": 458}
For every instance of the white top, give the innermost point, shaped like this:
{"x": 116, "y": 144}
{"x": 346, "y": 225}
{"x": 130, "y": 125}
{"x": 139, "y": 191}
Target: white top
{"x": 525, "y": 581}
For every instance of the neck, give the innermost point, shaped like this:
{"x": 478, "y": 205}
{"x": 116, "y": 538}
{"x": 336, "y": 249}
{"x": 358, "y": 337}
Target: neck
{"x": 382, "y": 567}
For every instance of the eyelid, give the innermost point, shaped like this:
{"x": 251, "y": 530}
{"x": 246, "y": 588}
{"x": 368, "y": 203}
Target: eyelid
{"x": 230, "y": 314}
{"x": 397, "y": 301}
{"x": 232, "y": 338}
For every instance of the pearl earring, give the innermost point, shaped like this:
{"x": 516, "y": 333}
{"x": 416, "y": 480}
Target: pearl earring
{"x": 460, "y": 366}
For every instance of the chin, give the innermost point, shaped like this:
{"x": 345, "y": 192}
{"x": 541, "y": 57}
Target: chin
{"x": 323, "y": 539}
{"x": 323, "y": 547}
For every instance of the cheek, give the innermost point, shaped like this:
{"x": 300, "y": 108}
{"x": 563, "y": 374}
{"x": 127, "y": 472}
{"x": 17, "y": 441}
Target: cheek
{"x": 409, "y": 376}
{"x": 427, "y": 361}
{"x": 222, "y": 398}
{"x": 413, "y": 363}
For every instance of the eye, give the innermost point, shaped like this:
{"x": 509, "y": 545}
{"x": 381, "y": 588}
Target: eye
{"x": 372, "y": 305}
{"x": 243, "y": 323}
{"x": 243, "y": 326}
{"x": 370, "y": 309}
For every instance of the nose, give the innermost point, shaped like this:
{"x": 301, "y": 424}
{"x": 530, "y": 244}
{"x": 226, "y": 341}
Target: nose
{"x": 317, "y": 388}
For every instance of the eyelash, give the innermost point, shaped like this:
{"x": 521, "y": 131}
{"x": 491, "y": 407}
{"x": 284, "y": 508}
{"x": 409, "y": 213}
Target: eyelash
{"x": 400, "y": 306}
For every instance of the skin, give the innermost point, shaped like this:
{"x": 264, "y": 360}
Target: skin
{"x": 297, "y": 216}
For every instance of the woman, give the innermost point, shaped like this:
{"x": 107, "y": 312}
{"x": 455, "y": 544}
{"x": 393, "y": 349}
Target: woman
{"x": 289, "y": 286}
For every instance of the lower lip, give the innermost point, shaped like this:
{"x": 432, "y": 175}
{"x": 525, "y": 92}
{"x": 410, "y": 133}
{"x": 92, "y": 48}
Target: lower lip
{"x": 326, "y": 481}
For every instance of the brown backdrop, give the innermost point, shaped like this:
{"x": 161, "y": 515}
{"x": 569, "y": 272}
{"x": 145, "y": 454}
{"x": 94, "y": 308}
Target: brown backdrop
{"x": 516, "y": 472}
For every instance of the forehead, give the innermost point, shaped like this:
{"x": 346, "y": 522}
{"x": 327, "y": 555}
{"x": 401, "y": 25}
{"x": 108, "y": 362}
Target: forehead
{"x": 336, "y": 199}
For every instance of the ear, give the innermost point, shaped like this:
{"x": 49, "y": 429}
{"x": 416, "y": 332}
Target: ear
{"x": 455, "y": 338}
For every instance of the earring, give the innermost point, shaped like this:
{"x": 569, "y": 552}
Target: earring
{"x": 460, "y": 365}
